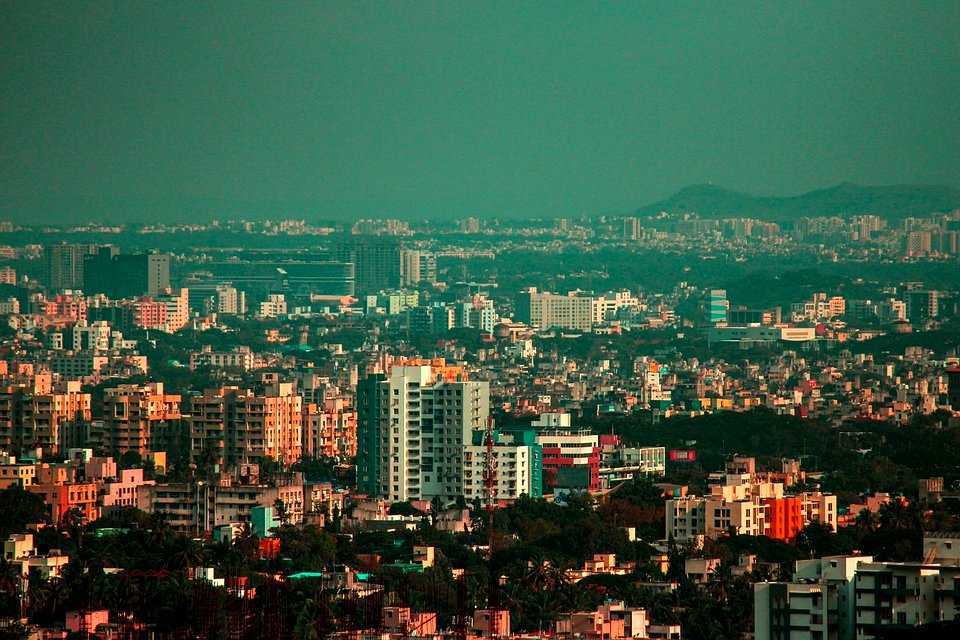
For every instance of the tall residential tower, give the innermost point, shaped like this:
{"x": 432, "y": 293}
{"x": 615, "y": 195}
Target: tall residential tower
{"x": 413, "y": 425}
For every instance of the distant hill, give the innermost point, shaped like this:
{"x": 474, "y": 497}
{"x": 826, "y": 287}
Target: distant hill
{"x": 892, "y": 203}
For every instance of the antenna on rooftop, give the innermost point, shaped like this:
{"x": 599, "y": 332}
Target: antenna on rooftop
{"x": 490, "y": 503}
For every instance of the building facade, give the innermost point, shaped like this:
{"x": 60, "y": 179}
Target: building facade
{"x": 412, "y": 428}
{"x": 140, "y": 418}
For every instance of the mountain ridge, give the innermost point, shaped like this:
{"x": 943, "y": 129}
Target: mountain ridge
{"x": 892, "y": 202}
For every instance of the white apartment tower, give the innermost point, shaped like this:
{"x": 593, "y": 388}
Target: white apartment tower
{"x": 413, "y": 439}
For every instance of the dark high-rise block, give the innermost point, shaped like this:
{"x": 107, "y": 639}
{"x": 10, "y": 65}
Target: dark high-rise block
{"x": 953, "y": 388}
{"x": 377, "y": 261}
{"x": 64, "y": 265}
{"x": 124, "y": 276}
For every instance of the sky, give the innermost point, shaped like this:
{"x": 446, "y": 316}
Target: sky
{"x": 178, "y": 111}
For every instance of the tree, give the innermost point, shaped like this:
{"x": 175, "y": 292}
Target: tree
{"x": 20, "y": 508}
{"x": 720, "y": 580}
{"x": 15, "y": 631}
{"x": 436, "y": 506}
{"x": 130, "y": 459}
{"x": 280, "y": 508}
{"x": 543, "y": 575}
{"x": 866, "y": 522}
{"x": 896, "y": 515}
{"x": 817, "y": 539}
{"x": 9, "y": 588}
{"x": 181, "y": 553}
{"x": 310, "y": 548}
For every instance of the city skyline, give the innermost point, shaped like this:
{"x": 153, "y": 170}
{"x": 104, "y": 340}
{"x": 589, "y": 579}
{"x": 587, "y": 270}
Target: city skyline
{"x": 479, "y": 321}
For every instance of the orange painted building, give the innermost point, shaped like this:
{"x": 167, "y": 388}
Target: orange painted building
{"x": 784, "y": 517}
{"x": 65, "y": 306}
{"x": 139, "y": 418}
{"x": 330, "y": 429}
{"x": 33, "y": 416}
{"x": 440, "y": 371}
{"x": 55, "y": 484}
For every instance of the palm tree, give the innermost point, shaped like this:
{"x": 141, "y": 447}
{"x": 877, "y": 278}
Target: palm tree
{"x": 894, "y": 514}
{"x": 11, "y": 586}
{"x": 47, "y": 597}
{"x": 543, "y": 575}
{"x": 866, "y": 522}
{"x": 720, "y": 581}
{"x": 578, "y": 597}
{"x": 543, "y": 606}
{"x": 181, "y": 552}
{"x": 38, "y": 592}
{"x": 513, "y": 597}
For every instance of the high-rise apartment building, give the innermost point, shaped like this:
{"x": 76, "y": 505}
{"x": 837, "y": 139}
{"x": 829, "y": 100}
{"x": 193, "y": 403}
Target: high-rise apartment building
{"x": 377, "y": 261}
{"x": 428, "y": 267}
{"x": 541, "y": 310}
{"x": 608, "y": 305}
{"x": 222, "y": 299}
{"x": 417, "y": 266}
{"x": 946, "y": 242}
{"x": 518, "y": 462}
{"x": 274, "y": 306}
{"x": 230, "y": 301}
{"x": 413, "y": 424}
{"x": 33, "y": 416}
{"x": 239, "y": 425}
{"x": 469, "y": 225}
{"x": 140, "y": 418}
{"x": 922, "y": 304}
{"x": 953, "y": 388}
{"x": 427, "y": 320}
{"x": 858, "y": 598}
{"x": 64, "y": 265}
{"x": 919, "y": 243}
{"x": 177, "y": 312}
{"x": 717, "y": 306}
{"x": 409, "y": 267}
{"x": 126, "y": 275}
{"x": 329, "y": 429}
{"x": 818, "y": 603}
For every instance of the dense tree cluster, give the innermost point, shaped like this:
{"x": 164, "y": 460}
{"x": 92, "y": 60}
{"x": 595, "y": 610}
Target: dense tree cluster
{"x": 858, "y": 457}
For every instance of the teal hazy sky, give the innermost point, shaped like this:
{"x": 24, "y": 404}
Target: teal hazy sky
{"x": 176, "y": 111}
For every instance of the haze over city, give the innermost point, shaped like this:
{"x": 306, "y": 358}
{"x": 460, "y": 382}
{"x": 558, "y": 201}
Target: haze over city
{"x": 178, "y": 111}
{"x": 479, "y": 321}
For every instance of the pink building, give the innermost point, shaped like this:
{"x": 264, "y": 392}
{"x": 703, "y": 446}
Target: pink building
{"x": 488, "y": 623}
{"x": 99, "y": 468}
{"x": 87, "y": 621}
{"x": 122, "y": 492}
